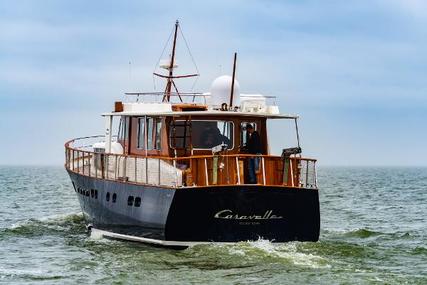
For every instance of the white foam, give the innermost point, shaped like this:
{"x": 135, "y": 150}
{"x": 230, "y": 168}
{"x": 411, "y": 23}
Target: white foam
{"x": 290, "y": 253}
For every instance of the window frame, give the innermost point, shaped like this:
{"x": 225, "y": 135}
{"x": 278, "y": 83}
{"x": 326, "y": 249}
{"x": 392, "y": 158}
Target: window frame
{"x": 206, "y": 120}
{"x": 152, "y": 135}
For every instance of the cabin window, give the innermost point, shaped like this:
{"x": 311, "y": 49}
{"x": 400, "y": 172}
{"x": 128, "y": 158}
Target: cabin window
{"x": 130, "y": 200}
{"x": 158, "y": 134}
{"x": 203, "y": 135}
{"x": 137, "y": 202}
{"x": 123, "y": 129}
{"x": 149, "y": 133}
{"x": 141, "y": 133}
{"x": 150, "y": 123}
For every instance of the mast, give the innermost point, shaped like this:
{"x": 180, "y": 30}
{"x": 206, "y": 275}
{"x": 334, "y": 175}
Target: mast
{"x": 171, "y": 65}
{"x": 232, "y": 81}
{"x": 166, "y": 97}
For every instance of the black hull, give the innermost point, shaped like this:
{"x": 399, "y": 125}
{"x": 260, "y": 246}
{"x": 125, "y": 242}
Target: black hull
{"x": 208, "y": 214}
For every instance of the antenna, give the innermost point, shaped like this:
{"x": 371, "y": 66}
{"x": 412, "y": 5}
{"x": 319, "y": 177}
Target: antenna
{"x": 130, "y": 74}
{"x": 232, "y": 80}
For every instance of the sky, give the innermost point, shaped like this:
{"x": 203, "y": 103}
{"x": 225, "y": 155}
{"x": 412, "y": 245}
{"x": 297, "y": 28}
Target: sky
{"x": 355, "y": 71}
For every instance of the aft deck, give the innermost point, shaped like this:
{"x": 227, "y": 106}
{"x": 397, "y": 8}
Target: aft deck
{"x": 189, "y": 171}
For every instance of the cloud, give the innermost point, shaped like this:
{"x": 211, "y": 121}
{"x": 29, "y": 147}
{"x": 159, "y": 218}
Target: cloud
{"x": 412, "y": 8}
{"x": 334, "y": 61}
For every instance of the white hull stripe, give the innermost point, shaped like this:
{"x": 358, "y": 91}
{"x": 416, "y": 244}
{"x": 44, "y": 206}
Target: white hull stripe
{"x": 96, "y": 233}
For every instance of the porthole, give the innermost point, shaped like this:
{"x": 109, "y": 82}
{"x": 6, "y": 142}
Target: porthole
{"x": 107, "y": 197}
{"x": 87, "y": 193}
{"x": 114, "y": 198}
{"x": 130, "y": 200}
{"x": 92, "y": 193}
{"x": 137, "y": 202}
{"x": 96, "y": 194}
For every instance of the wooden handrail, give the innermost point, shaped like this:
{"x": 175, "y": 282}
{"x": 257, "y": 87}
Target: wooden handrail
{"x": 194, "y": 170}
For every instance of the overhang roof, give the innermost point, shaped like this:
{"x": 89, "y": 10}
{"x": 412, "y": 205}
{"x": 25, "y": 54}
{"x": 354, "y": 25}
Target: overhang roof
{"x": 204, "y": 114}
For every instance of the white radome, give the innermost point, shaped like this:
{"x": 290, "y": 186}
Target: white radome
{"x": 221, "y": 91}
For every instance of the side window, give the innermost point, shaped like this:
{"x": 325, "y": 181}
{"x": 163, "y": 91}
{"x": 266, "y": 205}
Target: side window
{"x": 158, "y": 134}
{"x": 151, "y": 139}
{"x": 150, "y": 125}
{"x": 123, "y": 128}
{"x": 141, "y": 133}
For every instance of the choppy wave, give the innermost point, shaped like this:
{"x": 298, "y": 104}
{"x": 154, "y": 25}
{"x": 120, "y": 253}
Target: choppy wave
{"x": 28, "y": 274}
{"x": 252, "y": 253}
{"x": 364, "y": 233}
{"x": 63, "y": 224}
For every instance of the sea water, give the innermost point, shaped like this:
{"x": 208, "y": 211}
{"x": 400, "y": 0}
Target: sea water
{"x": 373, "y": 231}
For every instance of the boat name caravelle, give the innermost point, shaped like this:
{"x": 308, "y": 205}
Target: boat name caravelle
{"x": 229, "y": 215}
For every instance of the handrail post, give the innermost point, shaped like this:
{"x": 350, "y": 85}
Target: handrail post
{"x": 159, "y": 170}
{"x": 106, "y": 166}
{"x": 78, "y": 161}
{"x": 292, "y": 172}
{"x": 176, "y": 172}
{"x": 90, "y": 164}
{"x": 115, "y": 167}
{"x": 306, "y": 173}
{"x": 263, "y": 170}
{"x": 136, "y": 172}
{"x": 206, "y": 172}
{"x": 146, "y": 170}
{"x": 238, "y": 170}
{"x": 125, "y": 160}
{"x": 315, "y": 174}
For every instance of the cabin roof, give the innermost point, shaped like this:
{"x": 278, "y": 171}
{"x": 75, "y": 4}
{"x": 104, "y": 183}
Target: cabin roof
{"x": 205, "y": 114}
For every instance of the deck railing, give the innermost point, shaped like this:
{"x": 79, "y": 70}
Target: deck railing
{"x": 202, "y": 170}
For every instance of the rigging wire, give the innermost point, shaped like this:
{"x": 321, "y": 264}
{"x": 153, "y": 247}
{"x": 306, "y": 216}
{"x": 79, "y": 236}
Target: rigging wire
{"x": 160, "y": 58}
{"x": 192, "y": 58}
